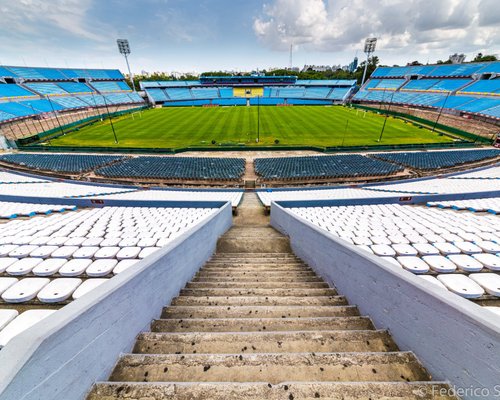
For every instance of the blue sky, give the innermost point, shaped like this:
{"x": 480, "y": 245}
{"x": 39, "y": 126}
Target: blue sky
{"x": 200, "y": 35}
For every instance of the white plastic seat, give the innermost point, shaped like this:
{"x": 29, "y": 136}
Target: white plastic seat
{"x": 398, "y": 239}
{"x": 146, "y": 251}
{"x": 404, "y": 250}
{"x": 85, "y": 252}
{"x": 23, "y": 266}
{"x": 392, "y": 260}
{"x": 466, "y": 263}
{"x": 49, "y": 266}
{"x": 433, "y": 238}
{"x": 23, "y": 251}
{"x": 147, "y": 242}
{"x": 468, "y": 247}
{"x": 92, "y": 242}
{"x": 24, "y": 321}
{"x": 64, "y": 252}
{"x": 24, "y": 290}
{"x": 129, "y": 242}
{"x": 123, "y": 265}
{"x": 110, "y": 242}
{"x": 106, "y": 252}
{"x": 75, "y": 241}
{"x": 58, "y": 290}
{"x": 128, "y": 252}
{"x": 426, "y": 249}
{"x": 380, "y": 240}
{"x": 6, "y": 262}
{"x": 163, "y": 241}
{"x": 43, "y": 251}
{"x": 383, "y": 250}
{"x": 490, "y": 261}
{"x": 87, "y": 286}
{"x": 461, "y": 285}
{"x": 75, "y": 267}
{"x": 100, "y": 268}
{"x": 490, "y": 282}
{"x": 447, "y": 248}
{"x": 6, "y": 316}
{"x": 57, "y": 241}
{"x": 22, "y": 240}
{"x": 451, "y": 237}
{"x": 433, "y": 280}
{"x": 359, "y": 246}
{"x": 468, "y": 237}
{"x": 488, "y": 246}
{"x": 7, "y": 282}
{"x": 413, "y": 264}
{"x": 440, "y": 264}
{"x": 40, "y": 240}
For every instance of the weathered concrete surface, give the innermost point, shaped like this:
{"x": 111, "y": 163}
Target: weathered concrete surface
{"x": 270, "y": 367}
{"x": 264, "y": 342}
{"x": 264, "y": 390}
{"x": 255, "y": 316}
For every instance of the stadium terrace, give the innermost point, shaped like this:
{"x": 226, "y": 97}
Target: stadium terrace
{"x": 250, "y": 236}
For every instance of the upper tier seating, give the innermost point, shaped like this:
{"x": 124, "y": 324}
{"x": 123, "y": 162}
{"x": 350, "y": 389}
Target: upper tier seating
{"x": 58, "y": 74}
{"x": 109, "y": 86}
{"x": 176, "y": 168}
{"x": 446, "y": 70}
{"x": 70, "y": 163}
{"x": 179, "y": 94}
{"x": 47, "y": 88}
{"x": 488, "y": 86}
{"x": 438, "y": 159}
{"x": 75, "y": 87}
{"x": 158, "y": 95}
{"x": 322, "y": 167}
{"x": 205, "y": 93}
{"x": 10, "y": 90}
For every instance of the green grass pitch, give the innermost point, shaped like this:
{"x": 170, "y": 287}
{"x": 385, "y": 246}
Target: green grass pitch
{"x": 298, "y": 125}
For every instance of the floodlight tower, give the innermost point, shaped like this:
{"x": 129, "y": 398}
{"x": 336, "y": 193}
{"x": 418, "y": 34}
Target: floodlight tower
{"x": 124, "y": 48}
{"x": 370, "y": 44}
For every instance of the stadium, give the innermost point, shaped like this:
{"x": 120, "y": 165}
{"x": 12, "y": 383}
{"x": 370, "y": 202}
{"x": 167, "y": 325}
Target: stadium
{"x": 257, "y": 235}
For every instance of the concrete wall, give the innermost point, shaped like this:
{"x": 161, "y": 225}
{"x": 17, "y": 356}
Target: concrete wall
{"x": 455, "y": 339}
{"x": 61, "y": 358}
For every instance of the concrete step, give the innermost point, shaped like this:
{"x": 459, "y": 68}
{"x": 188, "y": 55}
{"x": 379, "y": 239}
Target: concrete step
{"x": 259, "y": 301}
{"x": 256, "y": 285}
{"x": 253, "y": 245}
{"x": 255, "y": 278}
{"x": 255, "y": 268}
{"x": 256, "y": 274}
{"x": 184, "y": 312}
{"x": 261, "y": 324}
{"x": 264, "y": 342}
{"x": 256, "y": 255}
{"x": 258, "y": 292}
{"x": 270, "y": 367}
{"x": 264, "y": 390}
{"x": 255, "y": 261}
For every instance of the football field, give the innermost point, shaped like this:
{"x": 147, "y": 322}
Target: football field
{"x": 298, "y": 125}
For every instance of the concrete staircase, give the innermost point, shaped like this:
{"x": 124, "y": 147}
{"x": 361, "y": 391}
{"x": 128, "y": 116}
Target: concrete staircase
{"x": 257, "y": 323}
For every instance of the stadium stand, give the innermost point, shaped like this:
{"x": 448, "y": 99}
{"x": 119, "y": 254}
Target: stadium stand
{"x": 491, "y": 205}
{"x": 56, "y": 259}
{"x": 312, "y": 167}
{"x": 462, "y": 88}
{"x": 438, "y": 159}
{"x": 452, "y": 247}
{"x": 36, "y": 84}
{"x": 228, "y": 91}
{"x": 70, "y": 163}
{"x": 9, "y": 210}
{"x": 486, "y": 173}
{"x": 176, "y": 168}
{"x": 9, "y": 177}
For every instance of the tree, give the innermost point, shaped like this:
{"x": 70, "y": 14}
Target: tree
{"x": 483, "y": 58}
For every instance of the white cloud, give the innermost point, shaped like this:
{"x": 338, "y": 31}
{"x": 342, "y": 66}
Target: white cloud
{"x": 402, "y": 26}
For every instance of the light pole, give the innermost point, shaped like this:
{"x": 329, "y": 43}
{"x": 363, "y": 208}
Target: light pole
{"x": 124, "y": 48}
{"x": 258, "y": 119}
{"x": 370, "y": 44}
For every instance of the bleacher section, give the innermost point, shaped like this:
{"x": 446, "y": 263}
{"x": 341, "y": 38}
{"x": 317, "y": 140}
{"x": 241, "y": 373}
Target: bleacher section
{"x": 456, "y": 248}
{"x": 68, "y": 89}
{"x": 438, "y": 159}
{"x": 463, "y": 88}
{"x": 204, "y": 92}
{"x": 317, "y": 167}
{"x": 68, "y": 163}
{"x": 182, "y": 168}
